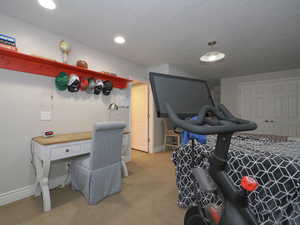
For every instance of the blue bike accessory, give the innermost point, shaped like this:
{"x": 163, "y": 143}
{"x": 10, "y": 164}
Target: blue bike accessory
{"x": 186, "y": 136}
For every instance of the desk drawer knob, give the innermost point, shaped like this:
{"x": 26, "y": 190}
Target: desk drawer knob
{"x": 67, "y": 150}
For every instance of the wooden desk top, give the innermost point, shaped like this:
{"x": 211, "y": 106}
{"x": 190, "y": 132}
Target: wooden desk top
{"x": 65, "y": 138}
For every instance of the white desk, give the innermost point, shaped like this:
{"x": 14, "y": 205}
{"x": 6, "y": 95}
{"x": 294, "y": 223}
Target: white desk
{"x": 58, "y": 147}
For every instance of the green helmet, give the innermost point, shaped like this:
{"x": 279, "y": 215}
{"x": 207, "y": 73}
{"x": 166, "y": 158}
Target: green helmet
{"x": 61, "y": 81}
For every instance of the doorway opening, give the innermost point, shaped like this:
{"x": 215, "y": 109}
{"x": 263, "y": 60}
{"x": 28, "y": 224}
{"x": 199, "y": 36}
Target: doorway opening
{"x": 140, "y": 135}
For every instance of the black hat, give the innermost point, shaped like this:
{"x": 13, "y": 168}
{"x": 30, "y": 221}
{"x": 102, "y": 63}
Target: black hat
{"x": 98, "y": 87}
{"x": 74, "y": 83}
{"x": 107, "y": 87}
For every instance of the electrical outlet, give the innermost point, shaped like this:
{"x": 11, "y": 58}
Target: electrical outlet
{"x": 45, "y": 116}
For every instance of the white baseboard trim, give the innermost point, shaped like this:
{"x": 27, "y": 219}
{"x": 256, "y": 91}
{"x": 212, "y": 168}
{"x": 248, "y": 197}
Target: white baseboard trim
{"x": 15, "y": 195}
{"x": 27, "y": 191}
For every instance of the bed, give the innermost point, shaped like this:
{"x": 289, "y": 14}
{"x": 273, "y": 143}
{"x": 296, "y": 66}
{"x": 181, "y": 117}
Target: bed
{"x": 273, "y": 162}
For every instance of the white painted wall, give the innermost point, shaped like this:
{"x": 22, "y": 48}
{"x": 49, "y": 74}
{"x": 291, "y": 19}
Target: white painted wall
{"x": 229, "y": 86}
{"x": 23, "y": 96}
{"x": 175, "y": 70}
{"x": 163, "y": 68}
{"x": 170, "y": 69}
{"x": 215, "y": 89}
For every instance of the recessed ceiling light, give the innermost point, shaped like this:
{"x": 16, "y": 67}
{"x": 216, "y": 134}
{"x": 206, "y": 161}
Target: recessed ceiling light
{"x": 47, "y": 4}
{"x": 119, "y": 40}
{"x": 212, "y": 56}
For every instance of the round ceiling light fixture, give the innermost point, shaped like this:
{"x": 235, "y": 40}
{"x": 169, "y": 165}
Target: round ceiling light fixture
{"x": 212, "y": 56}
{"x": 47, "y": 4}
{"x": 119, "y": 40}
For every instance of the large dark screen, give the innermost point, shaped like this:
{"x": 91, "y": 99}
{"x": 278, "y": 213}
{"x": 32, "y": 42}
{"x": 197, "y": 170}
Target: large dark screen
{"x": 186, "y": 96}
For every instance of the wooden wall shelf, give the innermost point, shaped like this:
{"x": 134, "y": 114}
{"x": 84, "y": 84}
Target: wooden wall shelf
{"x": 17, "y": 61}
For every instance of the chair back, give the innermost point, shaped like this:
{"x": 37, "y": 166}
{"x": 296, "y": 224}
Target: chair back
{"x": 107, "y": 144}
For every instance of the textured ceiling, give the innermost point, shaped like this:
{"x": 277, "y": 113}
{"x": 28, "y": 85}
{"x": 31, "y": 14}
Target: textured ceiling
{"x": 257, "y": 36}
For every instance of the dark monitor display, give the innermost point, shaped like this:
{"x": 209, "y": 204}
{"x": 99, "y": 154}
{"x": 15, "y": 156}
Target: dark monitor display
{"x": 185, "y": 95}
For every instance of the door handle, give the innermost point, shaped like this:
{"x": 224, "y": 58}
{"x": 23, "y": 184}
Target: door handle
{"x": 269, "y": 121}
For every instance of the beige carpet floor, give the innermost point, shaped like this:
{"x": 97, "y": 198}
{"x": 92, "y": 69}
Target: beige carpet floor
{"x": 148, "y": 198}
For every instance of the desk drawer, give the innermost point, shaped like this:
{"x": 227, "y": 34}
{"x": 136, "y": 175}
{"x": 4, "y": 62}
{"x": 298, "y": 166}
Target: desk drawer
{"x": 65, "y": 152}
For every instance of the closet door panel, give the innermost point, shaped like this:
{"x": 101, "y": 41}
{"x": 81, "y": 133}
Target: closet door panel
{"x": 273, "y": 105}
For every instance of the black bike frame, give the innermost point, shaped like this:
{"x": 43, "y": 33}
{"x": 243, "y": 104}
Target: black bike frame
{"x": 236, "y": 209}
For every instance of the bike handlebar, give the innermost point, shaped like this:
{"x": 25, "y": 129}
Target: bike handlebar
{"x": 225, "y": 122}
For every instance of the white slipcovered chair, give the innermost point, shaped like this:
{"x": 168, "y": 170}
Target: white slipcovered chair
{"x": 99, "y": 174}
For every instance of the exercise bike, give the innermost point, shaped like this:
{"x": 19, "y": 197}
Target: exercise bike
{"x": 235, "y": 209}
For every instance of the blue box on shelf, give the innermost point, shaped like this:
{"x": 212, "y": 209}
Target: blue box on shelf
{"x": 4, "y": 39}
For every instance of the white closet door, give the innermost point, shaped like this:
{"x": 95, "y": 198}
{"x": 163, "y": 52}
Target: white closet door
{"x": 253, "y": 105}
{"x": 273, "y": 105}
{"x": 285, "y": 101}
